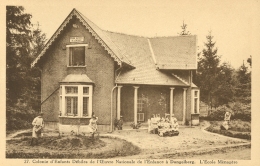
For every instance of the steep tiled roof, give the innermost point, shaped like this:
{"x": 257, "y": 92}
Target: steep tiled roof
{"x": 139, "y": 54}
{"x": 177, "y": 52}
{"x": 116, "y": 53}
{"x": 151, "y": 58}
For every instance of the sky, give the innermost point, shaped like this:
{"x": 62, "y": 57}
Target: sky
{"x": 231, "y": 22}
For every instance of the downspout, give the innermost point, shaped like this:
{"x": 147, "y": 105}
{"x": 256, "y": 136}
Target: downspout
{"x": 111, "y": 111}
{"x": 192, "y": 98}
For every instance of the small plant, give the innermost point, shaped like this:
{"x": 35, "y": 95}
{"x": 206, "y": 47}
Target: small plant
{"x": 135, "y": 126}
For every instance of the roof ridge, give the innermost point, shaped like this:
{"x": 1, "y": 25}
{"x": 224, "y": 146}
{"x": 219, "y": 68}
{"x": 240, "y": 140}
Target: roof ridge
{"x": 123, "y": 53}
{"x": 152, "y": 53}
{"x": 171, "y": 36}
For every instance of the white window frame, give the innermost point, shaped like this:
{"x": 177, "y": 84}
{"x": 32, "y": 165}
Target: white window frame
{"x": 68, "y": 54}
{"x": 140, "y": 117}
{"x": 193, "y": 97}
{"x": 80, "y": 96}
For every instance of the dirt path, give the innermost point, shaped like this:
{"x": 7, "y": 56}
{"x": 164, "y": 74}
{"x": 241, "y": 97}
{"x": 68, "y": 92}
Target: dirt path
{"x": 192, "y": 142}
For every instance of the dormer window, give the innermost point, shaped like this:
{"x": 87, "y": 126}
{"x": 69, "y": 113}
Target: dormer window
{"x": 76, "y": 55}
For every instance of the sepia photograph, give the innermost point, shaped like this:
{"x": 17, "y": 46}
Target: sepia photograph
{"x": 130, "y": 82}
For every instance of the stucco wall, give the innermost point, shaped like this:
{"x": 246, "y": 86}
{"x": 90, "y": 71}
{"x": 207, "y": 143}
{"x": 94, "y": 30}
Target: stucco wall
{"x": 99, "y": 68}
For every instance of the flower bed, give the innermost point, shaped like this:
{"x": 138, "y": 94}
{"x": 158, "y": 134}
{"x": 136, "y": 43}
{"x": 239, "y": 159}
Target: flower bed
{"x": 238, "y": 129}
{"x": 70, "y": 147}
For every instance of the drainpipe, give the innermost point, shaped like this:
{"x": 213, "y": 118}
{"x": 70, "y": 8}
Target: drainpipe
{"x": 191, "y": 95}
{"x": 111, "y": 111}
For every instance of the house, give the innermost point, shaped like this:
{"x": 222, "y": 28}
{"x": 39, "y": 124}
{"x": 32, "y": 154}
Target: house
{"x": 85, "y": 69}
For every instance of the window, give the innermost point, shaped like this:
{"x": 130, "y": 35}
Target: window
{"x": 195, "y": 101}
{"x": 140, "y": 117}
{"x": 76, "y": 55}
{"x": 140, "y": 104}
{"x": 76, "y": 100}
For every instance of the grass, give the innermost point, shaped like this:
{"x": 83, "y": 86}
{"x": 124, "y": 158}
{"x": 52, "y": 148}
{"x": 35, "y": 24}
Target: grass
{"x": 69, "y": 147}
{"x": 239, "y": 129}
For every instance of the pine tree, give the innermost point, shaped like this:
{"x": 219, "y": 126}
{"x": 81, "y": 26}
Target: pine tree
{"x": 226, "y": 85}
{"x": 208, "y": 69}
{"x": 184, "y": 28}
{"x": 243, "y": 88}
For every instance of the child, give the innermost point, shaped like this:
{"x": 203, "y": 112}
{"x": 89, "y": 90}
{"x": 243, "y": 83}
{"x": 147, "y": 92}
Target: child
{"x": 38, "y": 125}
{"x": 93, "y": 123}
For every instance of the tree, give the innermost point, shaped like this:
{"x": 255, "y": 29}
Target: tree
{"x": 243, "y": 88}
{"x": 23, "y": 44}
{"x": 18, "y": 41}
{"x": 184, "y": 28}
{"x": 208, "y": 69}
{"x": 226, "y": 85}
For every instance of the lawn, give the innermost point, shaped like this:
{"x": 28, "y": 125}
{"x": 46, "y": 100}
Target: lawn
{"x": 238, "y": 129}
{"x": 71, "y": 146}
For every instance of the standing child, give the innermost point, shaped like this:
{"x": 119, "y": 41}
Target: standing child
{"x": 38, "y": 125}
{"x": 93, "y": 123}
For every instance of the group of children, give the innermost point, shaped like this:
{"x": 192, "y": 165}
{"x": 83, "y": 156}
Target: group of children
{"x": 168, "y": 126}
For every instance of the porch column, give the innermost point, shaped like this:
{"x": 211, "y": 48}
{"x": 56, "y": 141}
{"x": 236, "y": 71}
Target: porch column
{"x": 118, "y": 101}
{"x": 135, "y": 103}
{"x": 171, "y": 102}
{"x": 184, "y": 105}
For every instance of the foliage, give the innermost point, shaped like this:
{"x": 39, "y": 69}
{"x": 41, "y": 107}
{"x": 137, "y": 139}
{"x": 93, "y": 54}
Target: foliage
{"x": 208, "y": 69}
{"x": 243, "y": 86}
{"x": 238, "y": 111}
{"x": 184, "y": 28}
{"x": 118, "y": 123}
{"x": 22, "y": 82}
{"x": 135, "y": 126}
{"x": 241, "y": 111}
{"x": 19, "y": 117}
{"x": 74, "y": 145}
{"x": 225, "y": 89}
{"x": 241, "y": 126}
{"x": 219, "y": 113}
{"x": 239, "y": 129}
{"x": 220, "y": 83}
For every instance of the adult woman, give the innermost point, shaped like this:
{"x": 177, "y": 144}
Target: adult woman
{"x": 38, "y": 125}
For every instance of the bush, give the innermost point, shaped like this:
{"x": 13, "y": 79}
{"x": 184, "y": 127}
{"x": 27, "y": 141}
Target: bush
{"x": 238, "y": 111}
{"x": 219, "y": 113}
{"x": 240, "y": 126}
{"x": 234, "y": 131}
{"x": 241, "y": 111}
{"x": 19, "y": 117}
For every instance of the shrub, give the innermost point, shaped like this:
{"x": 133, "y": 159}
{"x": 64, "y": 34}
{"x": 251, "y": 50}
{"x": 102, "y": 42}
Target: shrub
{"x": 19, "y": 117}
{"x": 239, "y": 125}
{"x": 241, "y": 111}
{"x": 219, "y": 113}
{"x": 236, "y": 132}
{"x": 238, "y": 111}
{"x": 239, "y": 129}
